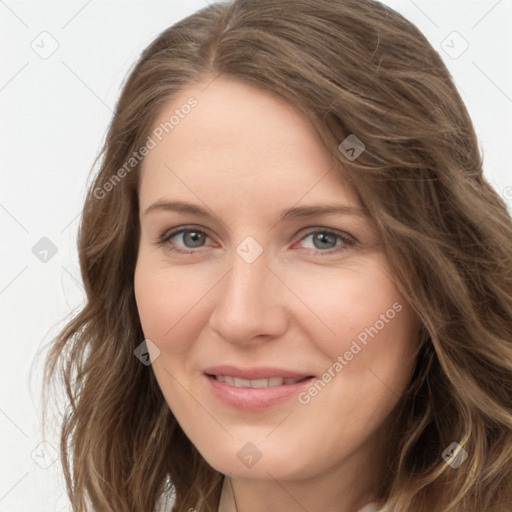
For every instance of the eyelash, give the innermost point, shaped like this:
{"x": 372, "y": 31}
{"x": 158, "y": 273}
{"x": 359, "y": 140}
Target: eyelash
{"x": 347, "y": 240}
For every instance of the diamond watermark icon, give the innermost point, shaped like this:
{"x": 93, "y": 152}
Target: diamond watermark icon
{"x": 454, "y": 455}
{"x": 249, "y": 249}
{"x": 249, "y": 454}
{"x": 44, "y": 250}
{"x": 454, "y": 45}
{"x": 45, "y": 45}
{"x": 147, "y": 352}
{"x": 351, "y": 147}
{"x": 44, "y": 455}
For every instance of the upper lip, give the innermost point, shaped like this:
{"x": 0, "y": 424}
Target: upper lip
{"x": 262, "y": 372}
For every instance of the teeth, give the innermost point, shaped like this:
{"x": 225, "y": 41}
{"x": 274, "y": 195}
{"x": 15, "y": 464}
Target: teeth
{"x": 256, "y": 383}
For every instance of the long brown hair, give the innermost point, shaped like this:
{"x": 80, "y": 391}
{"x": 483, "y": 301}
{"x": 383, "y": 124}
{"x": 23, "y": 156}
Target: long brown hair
{"x": 354, "y": 67}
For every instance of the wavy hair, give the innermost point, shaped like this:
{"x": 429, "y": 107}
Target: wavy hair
{"x": 353, "y": 67}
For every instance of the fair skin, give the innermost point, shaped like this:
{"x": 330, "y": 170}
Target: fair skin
{"x": 245, "y": 156}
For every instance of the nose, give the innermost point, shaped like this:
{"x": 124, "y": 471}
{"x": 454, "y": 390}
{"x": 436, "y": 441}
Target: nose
{"x": 250, "y": 302}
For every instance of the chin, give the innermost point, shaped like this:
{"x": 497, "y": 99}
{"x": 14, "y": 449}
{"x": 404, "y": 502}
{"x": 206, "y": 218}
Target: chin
{"x": 259, "y": 461}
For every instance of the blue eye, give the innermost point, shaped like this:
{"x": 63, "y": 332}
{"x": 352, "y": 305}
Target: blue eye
{"x": 192, "y": 238}
{"x": 324, "y": 241}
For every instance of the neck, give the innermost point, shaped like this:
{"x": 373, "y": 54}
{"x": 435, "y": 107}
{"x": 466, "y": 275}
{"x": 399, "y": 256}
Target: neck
{"x": 349, "y": 493}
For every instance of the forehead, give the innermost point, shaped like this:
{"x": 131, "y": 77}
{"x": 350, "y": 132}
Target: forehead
{"x": 238, "y": 139}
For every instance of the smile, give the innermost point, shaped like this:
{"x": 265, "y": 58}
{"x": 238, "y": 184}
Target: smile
{"x": 254, "y": 389}
{"x": 256, "y": 383}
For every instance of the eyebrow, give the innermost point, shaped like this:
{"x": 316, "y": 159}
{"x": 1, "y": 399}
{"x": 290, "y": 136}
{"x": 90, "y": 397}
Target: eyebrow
{"x": 296, "y": 212}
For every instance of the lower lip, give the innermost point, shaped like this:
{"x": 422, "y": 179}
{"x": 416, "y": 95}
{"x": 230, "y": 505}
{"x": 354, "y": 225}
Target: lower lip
{"x": 254, "y": 399}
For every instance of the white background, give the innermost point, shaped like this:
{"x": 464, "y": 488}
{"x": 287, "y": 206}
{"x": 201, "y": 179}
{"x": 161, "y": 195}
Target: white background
{"x": 54, "y": 115}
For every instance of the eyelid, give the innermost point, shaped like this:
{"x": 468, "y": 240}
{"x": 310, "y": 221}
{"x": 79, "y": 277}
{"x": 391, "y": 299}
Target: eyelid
{"x": 324, "y": 229}
{"x": 170, "y": 233}
{"x": 347, "y": 240}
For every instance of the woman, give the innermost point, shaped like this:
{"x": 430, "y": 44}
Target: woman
{"x": 299, "y": 283}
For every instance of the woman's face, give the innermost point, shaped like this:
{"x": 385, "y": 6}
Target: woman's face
{"x": 274, "y": 272}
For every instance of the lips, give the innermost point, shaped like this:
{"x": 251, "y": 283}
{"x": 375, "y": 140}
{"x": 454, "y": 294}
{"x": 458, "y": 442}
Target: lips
{"x": 266, "y": 372}
{"x": 256, "y": 383}
{"x": 254, "y": 389}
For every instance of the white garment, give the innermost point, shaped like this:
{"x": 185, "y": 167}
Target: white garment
{"x": 371, "y": 507}
{"x": 227, "y": 501}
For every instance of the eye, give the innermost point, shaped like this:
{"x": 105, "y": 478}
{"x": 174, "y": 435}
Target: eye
{"x": 191, "y": 238}
{"x": 321, "y": 241}
{"x": 327, "y": 241}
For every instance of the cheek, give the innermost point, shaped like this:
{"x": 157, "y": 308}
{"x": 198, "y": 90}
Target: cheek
{"x": 164, "y": 301}
{"x": 367, "y": 322}
{"x": 154, "y": 303}
{"x": 348, "y": 303}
